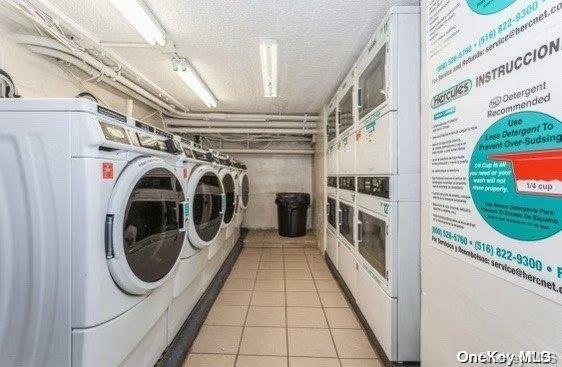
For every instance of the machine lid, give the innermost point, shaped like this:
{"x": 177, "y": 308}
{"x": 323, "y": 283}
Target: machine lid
{"x": 227, "y": 180}
{"x": 207, "y": 206}
{"x": 244, "y": 190}
{"x": 145, "y": 225}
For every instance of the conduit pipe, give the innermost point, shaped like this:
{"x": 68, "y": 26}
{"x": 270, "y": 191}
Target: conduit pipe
{"x": 44, "y": 45}
{"x": 213, "y": 130}
{"x": 73, "y": 60}
{"x": 257, "y": 117}
{"x": 266, "y": 151}
{"x": 256, "y": 124}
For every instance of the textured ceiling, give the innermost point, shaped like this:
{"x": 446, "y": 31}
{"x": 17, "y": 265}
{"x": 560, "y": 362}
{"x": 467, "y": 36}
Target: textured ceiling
{"x": 318, "y": 41}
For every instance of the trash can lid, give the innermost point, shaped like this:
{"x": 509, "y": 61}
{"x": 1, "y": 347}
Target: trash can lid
{"x": 294, "y": 199}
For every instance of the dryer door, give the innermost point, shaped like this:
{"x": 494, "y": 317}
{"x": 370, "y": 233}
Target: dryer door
{"x": 229, "y": 191}
{"x": 145, "y": 226}
{"x": 245, "y": 190}
{"x": 206, "y": 194}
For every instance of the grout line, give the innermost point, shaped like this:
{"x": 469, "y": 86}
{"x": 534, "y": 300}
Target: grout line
{"x": 327, "y": 322}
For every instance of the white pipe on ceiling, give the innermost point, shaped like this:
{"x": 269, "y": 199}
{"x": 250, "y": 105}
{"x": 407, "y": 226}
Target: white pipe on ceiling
{"x": 212, "y": 130}
{"x": 265, "y": 124}
{"x": 266, "y": 151}
{"x": 61, "y": 18}
{"x": 257, "y": 117}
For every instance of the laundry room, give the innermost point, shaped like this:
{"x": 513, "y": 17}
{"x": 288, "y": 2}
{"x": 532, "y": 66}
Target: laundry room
{"x": 288, "y": 183}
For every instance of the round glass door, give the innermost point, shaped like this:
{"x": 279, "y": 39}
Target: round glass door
{"x": 245, "y": 190}
{"x": 207, "y": 211}
{"x": 152, "y": 225}
{"x": 230, "y": 207}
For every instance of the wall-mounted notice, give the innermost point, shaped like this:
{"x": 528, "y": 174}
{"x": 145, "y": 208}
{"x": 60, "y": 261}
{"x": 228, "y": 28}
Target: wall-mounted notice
{"x": 495, "y": 137}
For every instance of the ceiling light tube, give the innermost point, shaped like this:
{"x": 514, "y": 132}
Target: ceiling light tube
{"x": 190, "y": 77}
{"x": 139, "y": 16}
{"x": 268, "y": 56}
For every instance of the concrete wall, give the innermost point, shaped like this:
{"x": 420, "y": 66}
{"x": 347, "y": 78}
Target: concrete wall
{"x": 464, "y": 308}
{"x": 270, "y": 174}
{"x": 36, "y": 77}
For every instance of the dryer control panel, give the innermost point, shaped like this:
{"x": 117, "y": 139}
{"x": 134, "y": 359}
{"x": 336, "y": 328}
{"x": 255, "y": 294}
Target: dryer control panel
{"x": 374, "y": 185}
{"x": 347, "y": 183}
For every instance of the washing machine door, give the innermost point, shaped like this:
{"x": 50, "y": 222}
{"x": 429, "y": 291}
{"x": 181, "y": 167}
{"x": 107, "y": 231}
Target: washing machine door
{"x": 145, "y": 225}
{"x": 227, "y": 180}
{"x": 207, "y": 202}
{"x": 244, "y": 190}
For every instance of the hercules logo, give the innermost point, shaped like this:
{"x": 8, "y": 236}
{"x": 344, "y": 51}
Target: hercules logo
{"x": 456, "y": 91}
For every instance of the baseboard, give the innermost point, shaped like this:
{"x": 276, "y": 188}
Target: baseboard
{"x": 175, "y": 354}
{"x": 370, "y": 335}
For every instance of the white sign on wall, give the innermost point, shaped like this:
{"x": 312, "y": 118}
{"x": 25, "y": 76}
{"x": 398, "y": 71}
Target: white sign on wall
{"x": 495, "y": 137}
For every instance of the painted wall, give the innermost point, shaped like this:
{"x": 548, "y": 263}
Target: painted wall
{"x": 464, "y": 308}
{"x": 270, "y": 174}
{"x": 37, "y": 77}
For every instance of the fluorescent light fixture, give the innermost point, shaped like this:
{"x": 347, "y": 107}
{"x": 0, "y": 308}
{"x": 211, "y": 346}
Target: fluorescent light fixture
{"x": 268, "y": 56}
{"x": 190, "y": 77}
{"x": 138, "y": 15}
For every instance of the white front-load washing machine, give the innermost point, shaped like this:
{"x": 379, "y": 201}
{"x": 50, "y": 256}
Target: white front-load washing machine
{"x": 244, "y": 187}
{"x": 205, "y": 195}
{"x": 92, "y": 230}
{"x": 227, "y": 175}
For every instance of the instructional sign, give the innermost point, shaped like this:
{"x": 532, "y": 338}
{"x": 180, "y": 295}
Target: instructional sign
{"x": 495, "y": 137}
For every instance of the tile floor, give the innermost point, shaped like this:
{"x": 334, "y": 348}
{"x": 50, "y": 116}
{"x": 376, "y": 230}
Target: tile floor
{"x": 281, "y": 307}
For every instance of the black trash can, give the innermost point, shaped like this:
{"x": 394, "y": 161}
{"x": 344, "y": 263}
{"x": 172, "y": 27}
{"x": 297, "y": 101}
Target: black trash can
{"x": 292, "y": 210}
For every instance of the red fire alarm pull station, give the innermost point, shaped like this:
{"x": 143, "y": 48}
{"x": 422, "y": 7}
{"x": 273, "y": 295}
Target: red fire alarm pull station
{"x": 107, "y": 170}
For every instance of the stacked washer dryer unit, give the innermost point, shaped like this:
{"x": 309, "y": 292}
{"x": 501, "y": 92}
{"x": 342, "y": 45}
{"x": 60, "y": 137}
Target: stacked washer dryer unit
{"x": 381, "y": 268}
{"x": 332, "y": 182}
{"x": 199, "y": 260}
{"x": 93, "y": 227}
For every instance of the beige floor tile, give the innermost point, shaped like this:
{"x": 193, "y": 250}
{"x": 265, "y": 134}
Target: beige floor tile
{"x": 319, "y": 266}
{"x": 341, "y": 318}
{"x": 243, "y": 273}
{"x": 238, "y": 284}
{"x": 306, "y": 317}
{"x": 270, "y": 274}
{"x": 361, "y": 363}
{"x": 295, "y": 257}
{"x": 273, "y": 251}
{"x": 209, "y": 360}
{"x": 296, "y": 265}
{"x": 246, "y": 264}
{"x": 298, "y": 274}
{"x": 261, "y": 361}
{"x": 253, "y": 244}
{"x": 311, "y": 343}
{"x": 264, "y": 341}
{"x": 217, "y": 340}
{"x": 266, "y": 316}
{"x": 272, "y": 264}
{"x": 272, "y": 257}
{"x": 303, "y": 299}
{"x": 332, "y": 299}
{"x": 315, "y": 258}
{"x": 268, "y": 299}
{"x": 321, "y": 274}
{"x": 274, "y": 285}
{"x": 299, "y": 285}
{"x": 327, "y": 285}
{"x": 234, "y": 298}
{"x": 312, "y": 250}
{"x": 293, "y": 251}
{"x": 313, "y": 362}
{"x": 226, "y": 315}
{"x": 352, "y": 344}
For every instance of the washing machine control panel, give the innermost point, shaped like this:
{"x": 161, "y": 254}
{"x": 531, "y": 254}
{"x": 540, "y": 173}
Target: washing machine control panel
{"x": 374, "y": 185}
